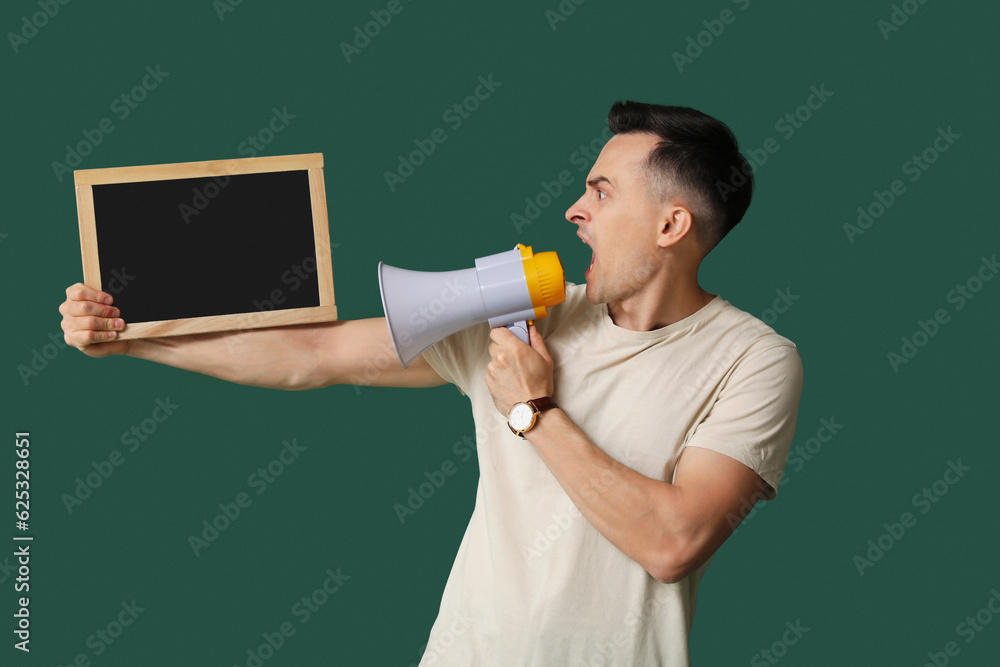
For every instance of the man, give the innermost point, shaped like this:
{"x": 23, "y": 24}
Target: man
{"x": 657, "y": 413}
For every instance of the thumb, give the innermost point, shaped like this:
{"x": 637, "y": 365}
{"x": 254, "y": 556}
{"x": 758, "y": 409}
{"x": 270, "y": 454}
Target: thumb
{"x": 537, "y": 344}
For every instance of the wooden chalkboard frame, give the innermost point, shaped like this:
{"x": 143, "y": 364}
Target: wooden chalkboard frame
{"x": 326, "y": 311}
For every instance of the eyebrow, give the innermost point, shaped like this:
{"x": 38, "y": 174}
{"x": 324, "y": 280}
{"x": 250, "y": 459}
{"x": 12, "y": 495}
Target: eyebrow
{"x": 594, "y": 182}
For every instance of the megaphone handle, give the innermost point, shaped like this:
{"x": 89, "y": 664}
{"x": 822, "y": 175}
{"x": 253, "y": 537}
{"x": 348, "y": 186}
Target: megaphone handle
{"x": 520, "y": 329}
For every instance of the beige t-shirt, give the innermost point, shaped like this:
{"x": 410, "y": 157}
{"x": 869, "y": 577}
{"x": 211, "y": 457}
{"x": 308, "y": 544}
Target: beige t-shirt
{"x": 533, "y": 582}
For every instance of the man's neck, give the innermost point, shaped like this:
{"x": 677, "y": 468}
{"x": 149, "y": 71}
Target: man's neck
{"x": 659, "y": 306}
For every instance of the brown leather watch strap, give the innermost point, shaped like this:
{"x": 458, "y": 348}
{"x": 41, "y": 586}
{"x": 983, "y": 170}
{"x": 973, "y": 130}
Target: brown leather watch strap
{"x": 543, "y": 403}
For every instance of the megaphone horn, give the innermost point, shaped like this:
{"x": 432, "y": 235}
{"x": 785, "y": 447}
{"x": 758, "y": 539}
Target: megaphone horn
{"x": 506, "y": 289}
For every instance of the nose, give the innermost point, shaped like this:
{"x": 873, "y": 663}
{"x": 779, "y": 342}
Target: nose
{"x": 578, "y": 213}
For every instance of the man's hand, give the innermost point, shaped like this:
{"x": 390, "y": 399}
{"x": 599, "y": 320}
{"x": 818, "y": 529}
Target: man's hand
{"x": 518, "y": 372}
{"x": 89, "y": 322}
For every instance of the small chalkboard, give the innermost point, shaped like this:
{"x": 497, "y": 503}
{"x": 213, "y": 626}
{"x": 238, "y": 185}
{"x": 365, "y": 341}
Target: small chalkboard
{"x": 209, "y": 246}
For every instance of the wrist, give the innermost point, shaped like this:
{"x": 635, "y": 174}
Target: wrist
{"x": 545, "y": 421}
{"x": 525, "y": 415}
{"x": 130, "y": 348}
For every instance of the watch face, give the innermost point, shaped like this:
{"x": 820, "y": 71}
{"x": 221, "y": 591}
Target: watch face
{"x": 520, "y": 416}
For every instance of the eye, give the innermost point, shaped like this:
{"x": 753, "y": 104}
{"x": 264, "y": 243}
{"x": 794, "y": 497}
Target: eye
{"x": 599, "y": 193}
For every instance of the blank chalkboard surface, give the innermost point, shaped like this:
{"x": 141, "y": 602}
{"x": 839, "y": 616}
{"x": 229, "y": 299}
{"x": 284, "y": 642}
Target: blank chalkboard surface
{"x": 209, "y": 246}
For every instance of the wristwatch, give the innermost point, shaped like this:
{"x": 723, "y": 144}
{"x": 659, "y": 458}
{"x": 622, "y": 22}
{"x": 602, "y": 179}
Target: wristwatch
{"x": 523, "y": 415}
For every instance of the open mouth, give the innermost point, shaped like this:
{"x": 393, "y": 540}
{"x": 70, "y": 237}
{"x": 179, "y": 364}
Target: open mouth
{"x": 593, "y": 258}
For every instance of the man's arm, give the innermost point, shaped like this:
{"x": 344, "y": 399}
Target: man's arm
{"x": 292, "y": 357}
{"x": 669, "y": 529}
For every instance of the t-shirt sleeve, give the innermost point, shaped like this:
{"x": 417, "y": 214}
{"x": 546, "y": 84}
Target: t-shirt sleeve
{"x": 753, "y": 418}
{"x": 456, "y": 357}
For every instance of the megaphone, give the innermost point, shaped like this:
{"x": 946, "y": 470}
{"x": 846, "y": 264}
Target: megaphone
{"x": 507, "y": 289}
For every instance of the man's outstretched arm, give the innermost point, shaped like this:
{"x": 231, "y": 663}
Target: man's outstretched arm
{"x": 291, "y": 357}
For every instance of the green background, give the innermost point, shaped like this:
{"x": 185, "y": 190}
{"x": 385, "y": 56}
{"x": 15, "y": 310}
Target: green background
{"x": 793, "y": 560}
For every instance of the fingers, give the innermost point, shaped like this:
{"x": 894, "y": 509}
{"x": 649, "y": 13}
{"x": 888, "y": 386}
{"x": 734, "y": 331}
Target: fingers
{"x": 495, "y": 335}
{"x": 98, "y": 323}
{"x": 88, "y": 317}
{"x": 83, "y": 331}
{"x": 85, "y": 337}
{"x": 80, "y": 292}
{"x": 538, "y": 343}
{"x": 82, "y": 308}
{"x": 502, "y": 335}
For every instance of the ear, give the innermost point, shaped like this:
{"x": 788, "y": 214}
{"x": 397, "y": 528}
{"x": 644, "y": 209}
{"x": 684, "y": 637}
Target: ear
{"x": 675, "y": 224}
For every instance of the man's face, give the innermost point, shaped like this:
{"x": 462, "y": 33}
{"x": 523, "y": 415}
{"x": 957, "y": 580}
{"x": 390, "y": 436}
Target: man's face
{"x": 618, "y": 221}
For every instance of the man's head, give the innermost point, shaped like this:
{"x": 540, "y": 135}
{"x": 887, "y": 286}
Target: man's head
{"x": 664, "y": 189}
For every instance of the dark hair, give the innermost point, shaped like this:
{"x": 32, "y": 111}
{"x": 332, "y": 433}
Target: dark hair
{"x": 697, "y": 156}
